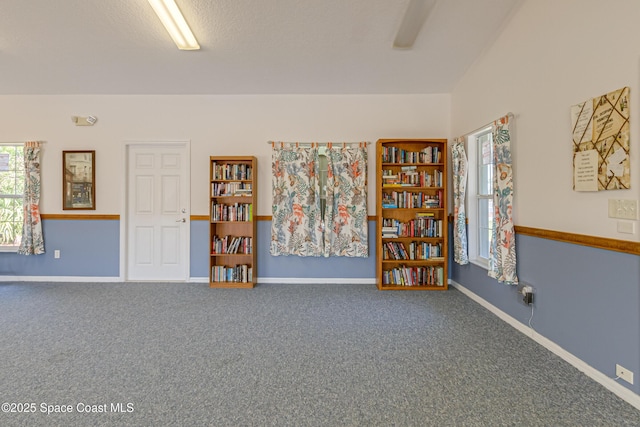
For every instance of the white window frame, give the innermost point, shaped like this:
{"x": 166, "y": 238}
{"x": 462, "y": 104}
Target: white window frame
{"x": 474, "y": 197}
{"x": 13, "y": 248}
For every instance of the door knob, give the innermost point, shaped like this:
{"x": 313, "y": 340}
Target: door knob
{"x": 181, "y": 220}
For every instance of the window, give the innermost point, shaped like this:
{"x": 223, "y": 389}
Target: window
{"x": 11, "y": 195}
{"x": 480, "y": 196}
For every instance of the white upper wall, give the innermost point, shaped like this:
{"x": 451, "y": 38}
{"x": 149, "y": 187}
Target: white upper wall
{"x": 215, "y": 125}
{"x": 552, "y": 55}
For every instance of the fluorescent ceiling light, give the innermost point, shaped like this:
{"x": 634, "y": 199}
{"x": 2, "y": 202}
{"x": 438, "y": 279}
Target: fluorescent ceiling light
{"x": 415, "y": 16}
{"x": 173, "y": 21}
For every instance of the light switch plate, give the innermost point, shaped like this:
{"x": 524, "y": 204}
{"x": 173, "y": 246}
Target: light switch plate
{"x": 623, "y": 209}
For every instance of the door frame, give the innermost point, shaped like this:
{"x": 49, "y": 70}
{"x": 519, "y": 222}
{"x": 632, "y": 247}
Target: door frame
{"x": 124, "y": 198}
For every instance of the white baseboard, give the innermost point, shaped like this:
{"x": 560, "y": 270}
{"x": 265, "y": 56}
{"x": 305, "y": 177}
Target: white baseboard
{"x": 106, "y": 279}
{"x": 317, "y": 280}
{"x": 300, "y": 280}
{"x": 100, "y": 279}
{"x": 606, "y": 381}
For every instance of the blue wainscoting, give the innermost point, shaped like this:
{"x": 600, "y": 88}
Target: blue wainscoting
{"x": 587, "y": 300}
{"x": 88, "y": 248}
{"x": 91, "y": 248}
{"x": 199, "y": 267}
{"x": 313, "y": 267}
{"x": 286, "y": 267}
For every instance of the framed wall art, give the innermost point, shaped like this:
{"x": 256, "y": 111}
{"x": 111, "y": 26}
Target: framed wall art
{"x": 78, "y": 180}
{"x": 601, "y": 141}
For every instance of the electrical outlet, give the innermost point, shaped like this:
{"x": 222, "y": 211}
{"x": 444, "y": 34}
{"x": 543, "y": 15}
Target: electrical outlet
{"x": 527, "y": 293}
{"x": 624, "y": 373}
{"x": 56, "y": 253}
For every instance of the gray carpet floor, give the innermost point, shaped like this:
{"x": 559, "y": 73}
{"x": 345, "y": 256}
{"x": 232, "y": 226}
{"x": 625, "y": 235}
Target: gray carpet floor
{"x": 160, "y": 354}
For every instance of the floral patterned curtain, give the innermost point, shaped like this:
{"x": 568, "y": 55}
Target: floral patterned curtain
{"x": 502, "y": 252}
{"x": 460, "y": 170}
{"x": 32, "y": 239}
{"x": 296, "y": 226}
{"x": 346, "y": 202}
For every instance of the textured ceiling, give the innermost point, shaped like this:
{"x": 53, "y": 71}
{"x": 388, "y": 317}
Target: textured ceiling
{"x": 247, "y": 47}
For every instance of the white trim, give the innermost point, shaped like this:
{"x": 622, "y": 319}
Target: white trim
{"x": 480, "y": 262}
{"x": 124, "y": 162}
{"x": 115, "y": 279}
{"x": 316, "y": 280}
{"x": 609, "y": 383}
{"x": 98, "y": 279}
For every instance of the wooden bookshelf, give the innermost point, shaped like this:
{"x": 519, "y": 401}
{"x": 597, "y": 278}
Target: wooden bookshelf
{"x": 233, "y": 193}
{"x": 411, "y": 219}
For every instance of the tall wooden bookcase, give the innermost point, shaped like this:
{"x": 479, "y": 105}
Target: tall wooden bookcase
{"x": 232, "y": 230}
{"x": 411, "y": 218}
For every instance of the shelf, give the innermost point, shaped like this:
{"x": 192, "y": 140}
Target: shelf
{"x": 228, "y": 175}
{"x": 390, "y": 175}
{"x": 231, "y": 222}
{"x": 231, "y": 254}
{"x": 409, "y": 187}
{"x": 233, "y": 285}
{"x": 411, "y": 288}
{"x": 416, "y": 210}
{"x": 409, "y": 238}
{"x": 412, "y": 164}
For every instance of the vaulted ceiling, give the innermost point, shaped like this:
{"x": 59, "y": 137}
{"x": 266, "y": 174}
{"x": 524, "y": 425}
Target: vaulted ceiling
{"x": 247, "y": 47}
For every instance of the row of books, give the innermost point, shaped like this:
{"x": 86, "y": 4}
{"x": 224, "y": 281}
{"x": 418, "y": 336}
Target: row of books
{"x": 410, "y": 177}
{"x": 231, "y": 245}
{"x": 415, "y": 251}
{"x": 424, "y": 226}
{"x": 239, "y": 273}
{"x": 398, "y": 155}
{"x": 412, "y": 200}
{"x": 230, "y": 189}
{"x": 231, "y": 171}
{"x": 414, "y": 276}
{"x": 235, "y": 212}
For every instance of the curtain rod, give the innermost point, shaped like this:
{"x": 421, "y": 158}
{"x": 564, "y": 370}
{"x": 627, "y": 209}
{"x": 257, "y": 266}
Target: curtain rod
{"x": 505, "y": 119}
{"x": 317, "y": 144}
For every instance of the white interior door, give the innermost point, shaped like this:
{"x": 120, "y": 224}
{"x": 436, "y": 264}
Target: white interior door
{"x": 157, "y": 212}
